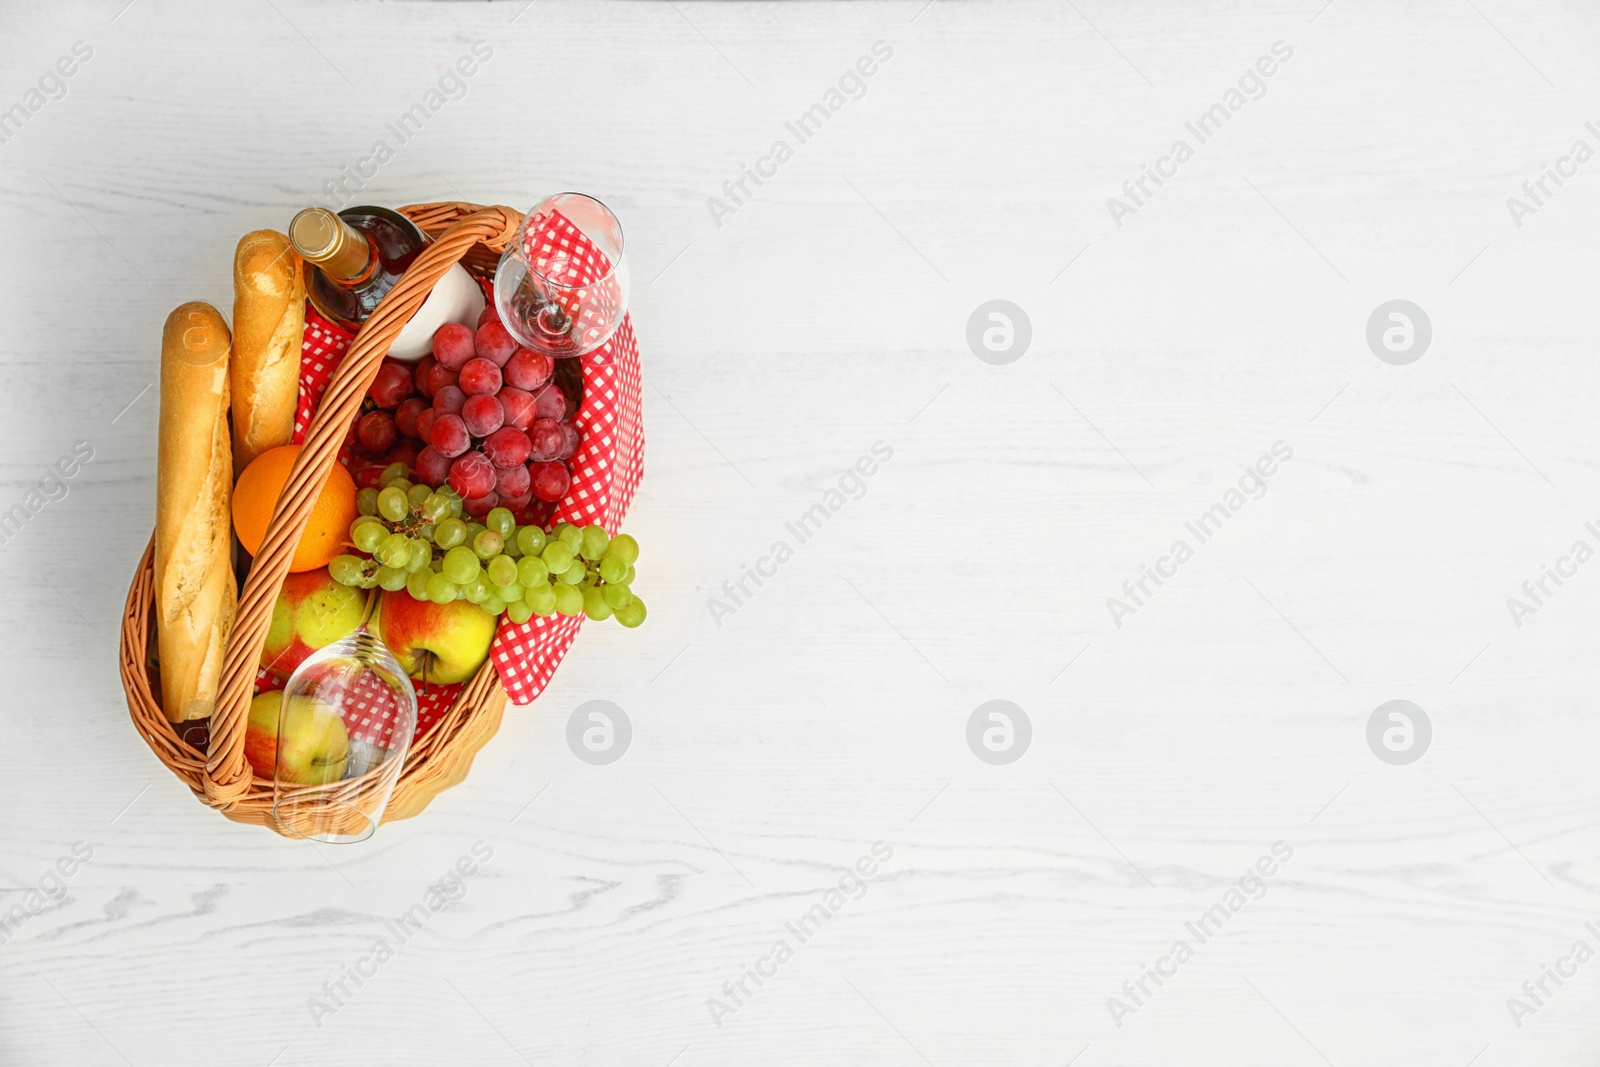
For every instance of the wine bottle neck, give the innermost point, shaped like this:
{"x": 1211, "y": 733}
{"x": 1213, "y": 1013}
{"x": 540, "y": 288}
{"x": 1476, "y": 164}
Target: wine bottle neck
{"x": 338, "y": 249}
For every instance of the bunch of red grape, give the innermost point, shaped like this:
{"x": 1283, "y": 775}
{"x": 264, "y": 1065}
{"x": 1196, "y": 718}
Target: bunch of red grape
{"x": 485, "y": 415}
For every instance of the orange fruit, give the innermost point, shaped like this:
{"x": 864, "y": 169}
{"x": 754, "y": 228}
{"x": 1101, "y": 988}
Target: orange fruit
{"x": 255, "y": 494}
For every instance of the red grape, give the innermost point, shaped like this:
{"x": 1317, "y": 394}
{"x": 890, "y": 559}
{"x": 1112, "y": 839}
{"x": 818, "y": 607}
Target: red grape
{"x": 494, "y": 343}
{"x": 432, "y": 467}
{"x": 519, "y": 406}
{"x": 405, "y": 416}
{"x": 377, "y": 431}
{"x": 506, "y": 447}
{"x": 528, "y": 369}
{"x": 392, "y": 385}
{"x": 512, "y": 481}
{"x": 425, "y": 419}
{"x": 480, "y": 376}
{"x": 479, "y": 506}
{"x": 550, "y": 481}
{"x": 404, "y": 452}
{"x": 448, "y": 400}
{"x": 439, "y": 377}
{"x": 483, "y": 414}
{"x": 547, "y": 440}
{"x": 515, "y": 504}
{"x": 452, "y": 345}
{"x": 574, "y": 439}
{"x": 490, "y": 313}
{"x": 552, "y": 402}
{"x": 472, "y": 475}
{"x": 420, "y": 374}
{"x": 450, "y": 436}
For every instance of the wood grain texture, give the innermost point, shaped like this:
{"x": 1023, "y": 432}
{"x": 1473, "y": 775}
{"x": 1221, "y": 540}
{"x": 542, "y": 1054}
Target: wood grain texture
{"x": 828, "y": 313}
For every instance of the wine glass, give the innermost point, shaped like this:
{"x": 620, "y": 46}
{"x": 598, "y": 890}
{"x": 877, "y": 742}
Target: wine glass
{"x": 562, "y": 284}
{"x": 344, "y": 728}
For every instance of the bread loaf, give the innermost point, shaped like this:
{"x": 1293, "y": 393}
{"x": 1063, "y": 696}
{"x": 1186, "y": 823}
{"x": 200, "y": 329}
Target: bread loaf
{"x": 269, "y": 298}
{"x": 195, "y": 594}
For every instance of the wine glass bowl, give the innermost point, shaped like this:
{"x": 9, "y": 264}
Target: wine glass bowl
{"x": 562, "y": 284}
{"x": 345, "y": 725}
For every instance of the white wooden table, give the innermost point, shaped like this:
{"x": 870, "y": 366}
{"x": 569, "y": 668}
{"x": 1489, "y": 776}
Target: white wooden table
{"x": 784, "y": 334}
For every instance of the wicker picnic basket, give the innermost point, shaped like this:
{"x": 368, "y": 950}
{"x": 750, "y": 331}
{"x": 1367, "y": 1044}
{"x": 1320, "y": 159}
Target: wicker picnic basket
{"x": 221, "y": 777}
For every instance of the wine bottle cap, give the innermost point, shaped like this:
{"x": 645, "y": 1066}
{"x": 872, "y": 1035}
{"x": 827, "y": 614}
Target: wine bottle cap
{"x": 325, "y": 239}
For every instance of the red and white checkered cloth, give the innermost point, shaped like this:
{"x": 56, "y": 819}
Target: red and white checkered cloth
{"x": 606, "y": 471}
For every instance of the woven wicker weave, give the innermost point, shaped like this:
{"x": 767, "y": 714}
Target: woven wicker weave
{"x": 221, "y": 777}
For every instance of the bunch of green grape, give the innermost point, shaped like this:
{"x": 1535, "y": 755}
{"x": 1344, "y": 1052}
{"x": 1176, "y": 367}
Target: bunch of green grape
{"x": 418, "y": 541}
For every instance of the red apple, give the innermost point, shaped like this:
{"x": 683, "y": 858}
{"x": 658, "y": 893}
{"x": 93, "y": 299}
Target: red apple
{"x": 312, "y": 610}
{"x": 316, "y": 746}
{"x": 441, "y": 643}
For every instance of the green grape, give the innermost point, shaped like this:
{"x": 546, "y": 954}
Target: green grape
{"x": 488, "y": 544}
{"x": 441, "y": 590}
{"x": 501, "y": 521}
{"x": 511, "y": 548}
{"x": 450, "y": 533}
{"x": 531, "y": 540}
{"x": 455, "y": 507}
{"x": 627, "y": 579}
{"x": 419, "y": 560}
{"x": 421, "y": 548}
{"x": 557, "y": 557}
{"x": 503, "y": 570}
{"x": 345, "y": 569}
{"x": 625, "y": 548}
{"x": 594, "y": 541}
{"x": 618, "y": 596}
{"x": 417, "y": 584}
{"x": 493, "y": 605}
{"x": 612, "y": 569}
{"x": 425, "y": 531}
{"x": 508, "y": 593}
{"x": 435, "y": 507}
{"x": 394, "y": 549}
{"x": 367, "y": 501}
{"x": 574, "y": 574}
{"x": 518, "y": 612}
{"x": 368, "y": 581}
{"x": 532, "y": 572}
{"x": 476, "y": 590}
{"x": 542, "y": 599}
{"x": 568, "y": 600}
{"x": 393, "y": 505}
{"x": 392, "y": 578}
{"x": 570, "y": 536}
{"x": 460, "y": 564}
{"x": 368, "y": 535}
{"x": 633, "y": 614}
{"x": 417, "y": 494}
{"x": 393, "y": 472}
{"x": 595, "y": 605}
{"x": 474, "y": 528}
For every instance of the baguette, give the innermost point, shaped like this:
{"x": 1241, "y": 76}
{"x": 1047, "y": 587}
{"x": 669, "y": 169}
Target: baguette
{"x": 269, "y": 315}
{"x": 195, "y": 594}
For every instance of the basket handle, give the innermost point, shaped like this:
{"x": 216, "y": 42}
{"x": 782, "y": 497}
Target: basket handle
{"x": 458, "y": 229}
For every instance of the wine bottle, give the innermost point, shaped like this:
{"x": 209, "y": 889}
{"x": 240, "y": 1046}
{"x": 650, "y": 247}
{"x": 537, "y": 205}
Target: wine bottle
{"x": 359, "y": 254}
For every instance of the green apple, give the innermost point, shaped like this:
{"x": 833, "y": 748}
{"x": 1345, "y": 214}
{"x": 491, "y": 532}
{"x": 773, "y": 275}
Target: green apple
{"x": 312, "y": 611}
{"x": 441, "y": 643}
{"x": 315, "y": 747}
